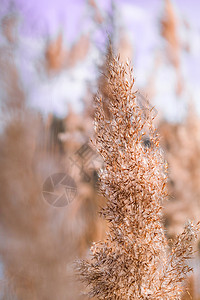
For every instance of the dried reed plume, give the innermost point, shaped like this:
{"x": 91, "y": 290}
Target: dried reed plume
{"x": 169, "y": 25}
{"x": 134, "y": 261}
{"x": 83, "y": 163}
{"x": 37, "y": 244}
{"x": 181, "y": 144}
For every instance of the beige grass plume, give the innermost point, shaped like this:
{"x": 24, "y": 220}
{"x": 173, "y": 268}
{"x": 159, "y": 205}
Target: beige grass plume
{"x": 37, "y": 245}
{"x": 169, "y": 27}
{"x": 134, "y": 261}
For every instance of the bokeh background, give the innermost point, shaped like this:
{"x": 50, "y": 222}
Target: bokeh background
{"x": 58, "y": 46}
{"x": 52, "y": 55}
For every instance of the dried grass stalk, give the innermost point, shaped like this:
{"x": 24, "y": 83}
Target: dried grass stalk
{"x": 36, "y": 249}
{"x": 134, "y": 261}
